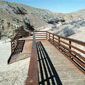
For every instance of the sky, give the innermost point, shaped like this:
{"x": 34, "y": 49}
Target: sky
{"x": 62, "y": 6}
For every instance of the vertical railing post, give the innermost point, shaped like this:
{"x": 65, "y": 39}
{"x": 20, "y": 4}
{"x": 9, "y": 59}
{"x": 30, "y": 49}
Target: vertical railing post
{"x": 70, "y": 48}
{"x": 53, "y": 38}
{"x": 46, "y": 35}
{"x": 69, "y": 44}
{"x": 49, "y": 36}
{"x": 59, "y": 41}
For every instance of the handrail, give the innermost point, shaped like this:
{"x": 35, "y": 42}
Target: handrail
{"x": 70, "y": 41}
{"x": 33, "y": 67}
{"x": 76, "y": 54}
{"x": 40, "y": 35}
{"x": 73, "y": 40}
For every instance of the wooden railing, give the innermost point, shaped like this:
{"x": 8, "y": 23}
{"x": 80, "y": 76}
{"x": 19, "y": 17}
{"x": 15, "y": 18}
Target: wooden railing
{"x": 14, "y": 42}
{"x": 40, "y": 35}
{"x": 74, "y": 49}
{"x": 13, "y": 45}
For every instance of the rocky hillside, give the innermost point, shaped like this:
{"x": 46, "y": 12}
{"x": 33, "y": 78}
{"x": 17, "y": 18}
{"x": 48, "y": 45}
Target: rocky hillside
{"x": 13, "y": 16}
{"x": 67, "y": 24}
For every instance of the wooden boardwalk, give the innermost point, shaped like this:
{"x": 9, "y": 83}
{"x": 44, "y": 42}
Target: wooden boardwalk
{"x": 69, "y": 74}
{"x": 48, "y": 66}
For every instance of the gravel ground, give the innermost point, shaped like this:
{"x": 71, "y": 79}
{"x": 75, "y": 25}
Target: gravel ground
{"x": 13, "y": 74}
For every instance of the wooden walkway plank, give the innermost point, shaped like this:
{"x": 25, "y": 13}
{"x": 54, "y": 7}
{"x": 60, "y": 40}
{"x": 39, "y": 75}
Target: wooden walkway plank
{"x": 68, "y": 73}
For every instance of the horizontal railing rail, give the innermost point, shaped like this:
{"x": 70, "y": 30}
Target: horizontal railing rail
{"x": 40, "y": 35}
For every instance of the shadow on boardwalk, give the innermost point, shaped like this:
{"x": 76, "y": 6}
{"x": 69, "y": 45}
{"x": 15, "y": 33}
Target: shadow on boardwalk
{"x": 47, "y": 72}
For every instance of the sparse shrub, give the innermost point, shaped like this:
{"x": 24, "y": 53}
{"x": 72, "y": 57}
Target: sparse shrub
{"x": 8, "y": 23}
{"x": 0, "y": 35}
{"x": 52, "y": 21}
{"x": 2, "y": 27}
{"x": 28, "y": 26}
{"x": 62, "y": 20}
{"x": 67, "y": 32}
{"x": 20, "y": 10}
